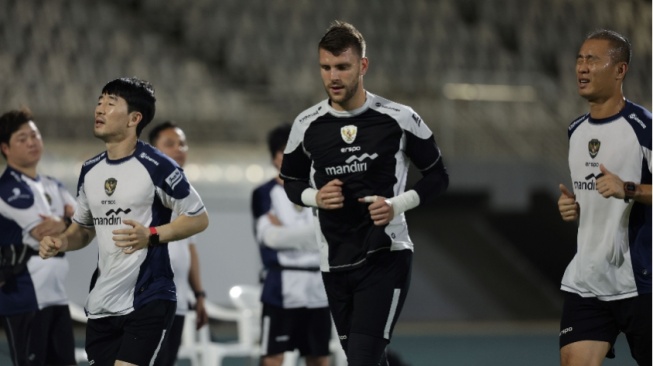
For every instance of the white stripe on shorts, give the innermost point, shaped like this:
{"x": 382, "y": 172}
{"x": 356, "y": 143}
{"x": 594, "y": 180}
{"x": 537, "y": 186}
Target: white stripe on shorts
{"x": 156, "y": 352}
{"x": 391, "y": 315}
{"x": 265, "y": 335}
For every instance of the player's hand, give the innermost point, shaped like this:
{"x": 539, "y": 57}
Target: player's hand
{"x": 609, "y": 184}
{"x": 131, "y": 239}
{"x": 569, "y": 208}
{"x": 50, "y": 246}
{"x": 381, "y": 211}
{"x": 202, "y": 317}
{"x": 330, "y": 197}
{"x": 51, "y": 225}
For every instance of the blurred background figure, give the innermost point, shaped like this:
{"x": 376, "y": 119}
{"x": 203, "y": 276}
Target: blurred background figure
{"x": 295, "y": 310}
{"x": 171, "y": 140}
{"x": 33, "y": 299}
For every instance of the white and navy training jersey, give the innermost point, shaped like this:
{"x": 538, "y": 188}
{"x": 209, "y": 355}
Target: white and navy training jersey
{"x": 22, "y": 201}
{"x": 613, "y": 258}
{"x": 292, "y": 274}
{"x": 179, "y": 252}
{"x": 369, "y": 150}
{"x": 146, "y": 187}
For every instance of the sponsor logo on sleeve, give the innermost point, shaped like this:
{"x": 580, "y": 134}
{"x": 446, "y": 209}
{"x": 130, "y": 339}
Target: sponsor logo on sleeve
{"x": 173, "y": 179}
{"x": 417, "y": 119}
{"x": 148, "y": 158}
{"x": 16, "y": 194}
{"x": 633, "y": 116}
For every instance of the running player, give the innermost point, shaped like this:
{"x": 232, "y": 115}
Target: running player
{"x": 607, "y": 285}
{"x": 348, "y": 156}
{"x": 126, "y": 197}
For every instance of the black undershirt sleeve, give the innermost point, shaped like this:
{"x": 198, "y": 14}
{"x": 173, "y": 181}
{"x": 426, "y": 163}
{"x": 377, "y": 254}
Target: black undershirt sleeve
{"x": 434, "y": 182}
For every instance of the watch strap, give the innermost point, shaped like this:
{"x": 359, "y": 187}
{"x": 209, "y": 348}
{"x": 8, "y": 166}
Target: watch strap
{"x": 154, "y": 237}
{"x": 629, "y": 191}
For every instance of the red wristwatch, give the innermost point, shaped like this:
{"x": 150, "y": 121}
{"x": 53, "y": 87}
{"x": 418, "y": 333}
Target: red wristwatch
{"x": 154, "y": 237}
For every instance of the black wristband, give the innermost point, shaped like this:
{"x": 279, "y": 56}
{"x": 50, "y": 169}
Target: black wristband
{"x": 199, "y": 294}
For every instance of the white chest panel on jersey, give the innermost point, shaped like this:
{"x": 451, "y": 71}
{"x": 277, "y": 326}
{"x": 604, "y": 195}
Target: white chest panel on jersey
{"x": 602, "y": 266}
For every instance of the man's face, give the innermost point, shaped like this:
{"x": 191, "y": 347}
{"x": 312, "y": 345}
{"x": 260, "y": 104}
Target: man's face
{"x": 342, "y": 76}
{"x": 25, "y": 146}
{"x": 172, "y": 142}
{"x": 112, "y": 118}
{"x": 598, "y": 77}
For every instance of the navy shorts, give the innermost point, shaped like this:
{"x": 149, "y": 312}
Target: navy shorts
{"x": 368, "y": 300}
{"x": 308, "y": 330}
{"x": 590, "y": 319}
{"x": 135, "y": 338}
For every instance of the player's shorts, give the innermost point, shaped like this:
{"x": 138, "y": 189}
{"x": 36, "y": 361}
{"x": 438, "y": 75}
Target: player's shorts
{"x": 167, "y": 355}
{"x": 43, "y": 337}
{"x": 307, "y": 330}
{"x": 134, "y": 338}
{"x": 52, "y": 336}
{"x": 589, "y": 319}
{"x": 368, "y": 300}
{"x": 18, "y": 329}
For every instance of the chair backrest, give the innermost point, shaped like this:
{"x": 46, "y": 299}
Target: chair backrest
{"x": 247, "y": 300}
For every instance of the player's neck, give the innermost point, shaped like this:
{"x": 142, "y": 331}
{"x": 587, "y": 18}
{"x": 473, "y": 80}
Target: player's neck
{"x": 353, "y": 103}
{"x": 607, "y": 108}
{"x": 121, "y": 149}
{"x": 29, "y": 171}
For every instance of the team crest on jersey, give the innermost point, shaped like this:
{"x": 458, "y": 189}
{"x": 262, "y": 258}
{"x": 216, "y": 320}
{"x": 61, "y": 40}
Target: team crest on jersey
{"x": 348, "y": 133}
{"x": 110, "y": 186}
{"x": 593, "y": 146}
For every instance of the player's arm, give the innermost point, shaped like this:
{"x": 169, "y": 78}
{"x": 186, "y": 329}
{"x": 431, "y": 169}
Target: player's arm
{"x": 74, "y": 238}
{"x": 611, "y": 185}
{"x": 643, "y": 194}
{"x": 295, "y": 170}
{"x": 277, "y": 236}
{"x": 183, "y": 227}
{"x": 137, "y": 236}
{"x": 434, "y": 181}
{"x": 195, "y": 282}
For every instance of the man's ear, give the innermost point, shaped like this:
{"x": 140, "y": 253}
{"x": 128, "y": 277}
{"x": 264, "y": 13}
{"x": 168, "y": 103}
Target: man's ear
{"x": 365, "y": 63}
{"x": 4, "y": 147}
{"x": 135, "y": 118}
{"x": 622, "y": 69}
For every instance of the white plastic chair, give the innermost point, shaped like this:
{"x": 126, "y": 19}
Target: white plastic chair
{"x": 198, "y": 347}
{"x": 78, "y": 314}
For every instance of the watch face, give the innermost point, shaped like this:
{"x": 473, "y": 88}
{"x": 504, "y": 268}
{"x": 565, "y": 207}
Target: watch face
{"x": 630, "y": 187}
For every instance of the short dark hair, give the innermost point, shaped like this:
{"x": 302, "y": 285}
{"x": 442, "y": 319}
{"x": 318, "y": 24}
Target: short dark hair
{"x": 139, "y": 95}
{"x": 340, "y": 36}
{"x": 11, "y": 122}
{"x": 620, "y": 45}
{"x": 156, "y": 130}
{"x": 278, "y": 138}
